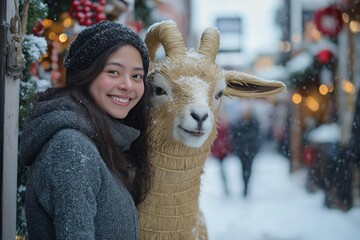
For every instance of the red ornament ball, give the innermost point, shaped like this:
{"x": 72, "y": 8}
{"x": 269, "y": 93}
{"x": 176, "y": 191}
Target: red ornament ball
{"x": 38, "y": 28}
{"x": 324, "y": 56}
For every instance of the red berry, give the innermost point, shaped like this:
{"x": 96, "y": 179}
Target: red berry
{"x": 80, "y": 15}
{"x": 88, "y": 22}
{"x": 99, "y": 9}
{"x": 87, "y": 9}
{"x": 100, "y": 17}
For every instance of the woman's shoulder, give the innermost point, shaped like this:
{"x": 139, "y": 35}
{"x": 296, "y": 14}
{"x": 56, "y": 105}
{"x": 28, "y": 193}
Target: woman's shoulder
{"x": 70, "y": 139}
{"x": 70, "y": 146}
{"x": 68, "y": 158}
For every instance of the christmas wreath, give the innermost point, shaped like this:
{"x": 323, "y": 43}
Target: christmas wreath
{"x": 328, "y": 21}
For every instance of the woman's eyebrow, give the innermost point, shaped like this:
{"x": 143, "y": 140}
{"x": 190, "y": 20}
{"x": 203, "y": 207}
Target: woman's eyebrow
{"x": 122, "y": 66}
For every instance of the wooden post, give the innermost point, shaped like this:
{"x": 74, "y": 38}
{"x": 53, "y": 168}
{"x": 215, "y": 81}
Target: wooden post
{"x": 9, "y": 122}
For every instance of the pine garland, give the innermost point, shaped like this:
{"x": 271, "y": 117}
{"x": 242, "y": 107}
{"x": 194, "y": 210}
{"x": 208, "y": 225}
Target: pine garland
{"x": 143, "y": 12}
{"x": 31, "y": 11}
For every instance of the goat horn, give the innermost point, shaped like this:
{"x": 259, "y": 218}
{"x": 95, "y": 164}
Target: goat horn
{"x": 167, "y": 34}
{"x": 209, "y": 45}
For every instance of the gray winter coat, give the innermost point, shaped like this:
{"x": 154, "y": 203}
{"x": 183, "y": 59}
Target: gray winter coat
{"x": 70, "y": 193}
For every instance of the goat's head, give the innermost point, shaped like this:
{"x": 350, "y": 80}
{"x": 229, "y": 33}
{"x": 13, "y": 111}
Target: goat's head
{"x": 187, "y": 87}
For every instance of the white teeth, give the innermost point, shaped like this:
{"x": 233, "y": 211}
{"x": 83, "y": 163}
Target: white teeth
{"x": 117, "y": 99}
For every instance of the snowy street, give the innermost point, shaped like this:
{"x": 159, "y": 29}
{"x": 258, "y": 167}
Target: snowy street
{"x": 278, "y": 207}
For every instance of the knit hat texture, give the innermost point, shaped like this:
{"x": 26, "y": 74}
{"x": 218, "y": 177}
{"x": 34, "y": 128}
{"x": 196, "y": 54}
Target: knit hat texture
{"x": 94, "y": 40}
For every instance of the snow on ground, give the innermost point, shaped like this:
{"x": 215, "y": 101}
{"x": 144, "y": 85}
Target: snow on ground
{"x": 278, "y": 206}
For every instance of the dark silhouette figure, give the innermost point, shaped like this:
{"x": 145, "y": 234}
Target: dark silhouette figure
{"x": 354, "y": 153}
{"x": 245, "y": 141}
{"x": 222, "y": 148}
{"x": 352, "y": 160}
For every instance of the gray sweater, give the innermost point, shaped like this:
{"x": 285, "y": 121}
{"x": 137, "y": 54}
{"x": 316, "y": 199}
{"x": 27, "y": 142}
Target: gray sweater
{"x": 70, "y": 193}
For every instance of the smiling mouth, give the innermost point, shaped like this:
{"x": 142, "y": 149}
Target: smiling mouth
{"x": 193, "y": 133}
{"x": 119, "y": 100}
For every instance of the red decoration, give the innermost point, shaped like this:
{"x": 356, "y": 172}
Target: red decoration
{"x": 55, "y": 74}
{"x": 308, "y": 156}
{"x": 329, "y": 21}
{"x": 221, "y": 146}
{"x": 324, "y": 56}
{"x": 38, "y": 28}
{"x": 87, "y": 12}
{"x": 136, "y": 26}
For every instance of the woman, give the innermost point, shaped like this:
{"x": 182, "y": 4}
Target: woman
{"x": 85, "y": 143}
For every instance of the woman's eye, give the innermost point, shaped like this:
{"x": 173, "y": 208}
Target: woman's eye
{"x": 219, "y": 95}
{"x": 138, "y": 76}
{"x": 159, "y": 91}
{"x": 113, "y": 72}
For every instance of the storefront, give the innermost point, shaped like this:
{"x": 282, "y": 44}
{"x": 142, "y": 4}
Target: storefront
{"x": 324, "y": 81}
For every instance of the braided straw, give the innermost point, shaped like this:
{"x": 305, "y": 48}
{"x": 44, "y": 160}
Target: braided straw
{"x": 171, "y": 210}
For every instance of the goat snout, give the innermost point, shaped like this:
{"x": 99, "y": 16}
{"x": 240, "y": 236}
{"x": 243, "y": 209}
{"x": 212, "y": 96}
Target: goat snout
{"x": 198, "y": 117}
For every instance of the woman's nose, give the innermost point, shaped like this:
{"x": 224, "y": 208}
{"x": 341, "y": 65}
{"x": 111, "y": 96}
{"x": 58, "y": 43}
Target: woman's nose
{"x": 126, "y": 83}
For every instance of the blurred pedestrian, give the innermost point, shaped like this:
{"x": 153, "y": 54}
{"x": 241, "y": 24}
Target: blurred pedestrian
{"x": 353, "y": 154}
{"x": 245, "y": 142}
{"x": 221, "y": 147}
{"x": 354, "y": 150}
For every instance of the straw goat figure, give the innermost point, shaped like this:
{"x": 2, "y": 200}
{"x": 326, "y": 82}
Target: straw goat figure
{"x": 187, "y": 88}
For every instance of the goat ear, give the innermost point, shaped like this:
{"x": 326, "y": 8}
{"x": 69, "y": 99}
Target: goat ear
{"x": 242, "y": 85}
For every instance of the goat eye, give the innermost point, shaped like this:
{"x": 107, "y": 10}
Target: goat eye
{"x": 219, "y": 95}
{"x": 159, "y": 91}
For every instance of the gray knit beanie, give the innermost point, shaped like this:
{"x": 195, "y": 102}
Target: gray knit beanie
{"x": 94, "y": 40}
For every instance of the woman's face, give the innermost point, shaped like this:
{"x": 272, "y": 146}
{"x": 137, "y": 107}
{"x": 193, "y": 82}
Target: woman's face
{"x": 120, "y": 86}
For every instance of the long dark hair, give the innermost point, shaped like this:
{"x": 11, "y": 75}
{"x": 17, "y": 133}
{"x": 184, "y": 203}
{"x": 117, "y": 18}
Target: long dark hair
{"x": 131, "y": 168}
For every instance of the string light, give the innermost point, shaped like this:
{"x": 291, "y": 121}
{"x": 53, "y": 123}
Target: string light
{"x": 345, "y": 17}
{"x": 47, "y": 23}
{"x": 67, "y": 22}
{"x": 296, "y": 98}
{"x": 323, "y": 89}
{"x": 312, "y": 104}
{"x": 52, "y": 36}
{"x": 354, "y": 26}
{"x": 284, "y": 46}
{"x": 63, "y": 37}
{"x": 348, "y": 87}
{"x": 296, "y": 38}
